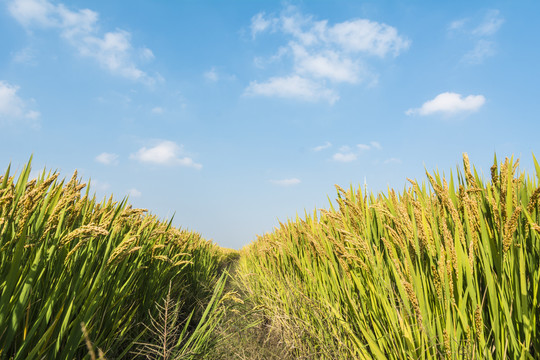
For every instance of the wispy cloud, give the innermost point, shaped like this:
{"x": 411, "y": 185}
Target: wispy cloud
{"x": 362, "y": 147}
{"x": 13, "y": 107}
{"x": 344, "y": 157}
{"x": 392, "y": 161}
{"x": 134, "y": 193}
{"x": 322, "y": 147}
{"x": 349, "y": 154}
{"x": 449, "y": 103}
{"x": 482, "y": 33}
{"x": 146, "y": 54}
{"x": 286, "y": 182}
{"x": 490, "y": 25}
{"x": 325, "y": 65}
{"x": 294, "y": 87}
{"x": 321, "y": 52}
{"x": 483, "y": 49}
{"x": 457, "y": 24}
{"x": 211, "y": 75}
{"x": 80, "y": 28}
{"x": 107, "y": 158}
{"x": 164, "y": 152}
{"x": 100, "y": 186}
{"x": 157, "y": 110}
{"x": 24, "y": 56}
{"x": 259, "y": 23}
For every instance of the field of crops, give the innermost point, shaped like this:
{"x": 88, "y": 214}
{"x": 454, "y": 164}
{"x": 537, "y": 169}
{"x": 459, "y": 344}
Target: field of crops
{"x": 447, "y": 269}
{"x": 81, "y": 278}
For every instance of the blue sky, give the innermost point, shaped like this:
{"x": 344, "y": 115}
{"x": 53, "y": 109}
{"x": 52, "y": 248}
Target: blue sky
{"x": 232, "y": 115}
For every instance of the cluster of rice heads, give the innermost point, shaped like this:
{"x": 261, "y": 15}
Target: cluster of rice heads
{"x": 449, "y": 271}
{"x": 67, "y": 260}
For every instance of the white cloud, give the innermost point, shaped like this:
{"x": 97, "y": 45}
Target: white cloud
{"x": 188, "y": 162}
{"x": 362, "y": 147}
{"x": 12, "y": 107}
{"x": 367, "y": 36}
{"x": 392, "y": 161}
{"x": 320, "y": 51}
{"x": 32, "y": 114}
{"x": 349, "y": 154}
{"x": 261, "y": 62}
{"x": 457, "y": 24}
{"x": 483, "y": 49}
{"x": 146, "y": 54}
{"x": 113, "y": 52}
{"x": 259, "y": 24}
{"x": 365, "y": 147}
{"x": 344, "y": 157}
{"x": 107, "y": 158}
{"x": 482, "y": 34}
{"x": 295, "y": 87}
{"x": 449, "y": 103}
{"x": 32, "y": 11}
{"x": 24, "y": 56}
{"x": 491, "y": 24}
{"x": 322, "y": 147}
{"x": 328, "y": 64}
{"x": 99, "y": 185}
{"x": 286, "y": 182}
{"x": 134, "y": 193}
{"x": 211, "y": 75}
{"x": 164, "y": 153}
{"x": 80, "y": 28}
{"x": 157, "y": 110}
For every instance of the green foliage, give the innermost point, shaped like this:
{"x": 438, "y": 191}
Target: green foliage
{"x": 449, "y": 271}
{"x": 67, "y": 259}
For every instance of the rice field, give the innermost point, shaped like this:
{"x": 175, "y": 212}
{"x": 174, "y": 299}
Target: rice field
{"x": 448, "y": 268}
{"x": 82, "y": 278}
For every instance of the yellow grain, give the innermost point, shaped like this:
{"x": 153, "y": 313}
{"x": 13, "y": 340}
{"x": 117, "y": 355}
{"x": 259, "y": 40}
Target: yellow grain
{"x": 509, "y": 229}
{"x": 533, "y": 200}
{"x": 478, "y": 323}
{"x": 468, "y": 174}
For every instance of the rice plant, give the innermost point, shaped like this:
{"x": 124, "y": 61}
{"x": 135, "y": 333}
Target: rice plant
{"x": 68, "y": 260}
{"x": 447, "y": 269}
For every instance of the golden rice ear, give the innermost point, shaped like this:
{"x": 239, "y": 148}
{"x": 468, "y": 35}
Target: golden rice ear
{"x": 467, "y": 168}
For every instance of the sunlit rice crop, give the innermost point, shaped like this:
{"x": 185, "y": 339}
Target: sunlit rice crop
{"x": 76, "y": 273}
{"x": 448, "y": 269}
